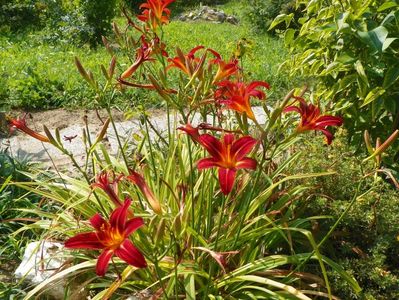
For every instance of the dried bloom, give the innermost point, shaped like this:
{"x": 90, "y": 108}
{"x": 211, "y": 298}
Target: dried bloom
{"x": 228, "y": 155}
{"x": 236, "y": 95}
{"x": 138, "y": 180}
{"x": 20, "y": 124}
{"x": 312, "y": 120}
{"x": 144, "y": 53}
{"x": 193, "y": 132}
{"x": 112, "y": 237}
{"x": 108, "y": 182}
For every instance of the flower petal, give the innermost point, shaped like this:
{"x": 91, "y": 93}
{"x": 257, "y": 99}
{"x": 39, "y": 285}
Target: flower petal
{"x": 228, "y": 139}
{"x": 226, "y": 180}
{"x": 103, "y": 261}
{"x": 255, "y": 84}
{"x": 118, "y": 216}
{"x": 138, "y": 180}
{"x": 328, "y": 120}
{"x": 191, "y": 131}
{"x": 87, "y": 240}
{"x": 212, "y": 145}
{"x": 206, "y": 163}
{"x": 97, "y": 221}
{"x": 243, "y": 146}
{"x": 132, "y": 225}
{"x": 329, "y": 135}
{"x": 246, "y": 163}
{"x": 292, "y": 108}
{"x": 130, "y": 254}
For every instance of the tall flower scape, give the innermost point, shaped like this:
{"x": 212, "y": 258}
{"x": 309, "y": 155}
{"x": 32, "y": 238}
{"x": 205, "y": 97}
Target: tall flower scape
{"x": 207, "y": 209}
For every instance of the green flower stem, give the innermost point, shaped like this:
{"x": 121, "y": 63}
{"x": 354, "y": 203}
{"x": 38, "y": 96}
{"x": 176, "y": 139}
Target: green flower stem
{"x": 118, "y": 138}
{"x": 190, "y": 154}
{"x": 248, "y": 202}
{"x": 220, "y": 221}
{"x": 149, "y": 143}
{"x": 76, "y": 165}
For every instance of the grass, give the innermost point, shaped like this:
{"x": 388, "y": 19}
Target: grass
{"x": 36, "y": 74}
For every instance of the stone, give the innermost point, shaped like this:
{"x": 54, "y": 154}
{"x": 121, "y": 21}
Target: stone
{"x": 182, "y": 18}
{"x": 232, "y": 20}
{"x": 208, "y": 14}
{"x": 220, "y": 16}
{"x": 40, "y": 261}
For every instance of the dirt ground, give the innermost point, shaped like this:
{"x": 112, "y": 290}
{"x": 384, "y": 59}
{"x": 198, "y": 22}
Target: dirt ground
{"x": 62, "y": 118}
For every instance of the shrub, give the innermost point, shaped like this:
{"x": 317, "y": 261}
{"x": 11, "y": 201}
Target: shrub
{"x": 17, "y": 15}
{"x": 350, "y": 49}
{"x": 261, "y": 13}
{"x": 365, "y": 242}
{"x": 98, "y": 16}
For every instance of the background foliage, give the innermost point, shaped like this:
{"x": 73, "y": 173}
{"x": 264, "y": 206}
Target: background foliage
{"x": 261, "y": 13}
{"x": 350, "y": 49}
{"x": 365, "y": 243}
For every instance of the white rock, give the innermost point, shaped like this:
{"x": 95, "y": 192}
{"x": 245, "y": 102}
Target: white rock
{"x": 40, "y": 261}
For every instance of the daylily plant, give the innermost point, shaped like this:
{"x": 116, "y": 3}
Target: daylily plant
{"x": 228, "y": 155}
{"x": 112, "y": 237}
{"x": 192, "y": 225}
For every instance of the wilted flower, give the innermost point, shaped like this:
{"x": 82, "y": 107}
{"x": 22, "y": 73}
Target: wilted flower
{"x": 144, "y": 53}
{"x": 108, "y": 182}
{"x": 312, "y": 120}
{"x": 20, "y": 124}
{"x": 112, "y": 237}
{"x": 138, "y": 180}
{"x": 236, "y": 95}
{"x": 193, "y": 132}
{"x": 155, "y": 12}
{"x": 228, "y": 155}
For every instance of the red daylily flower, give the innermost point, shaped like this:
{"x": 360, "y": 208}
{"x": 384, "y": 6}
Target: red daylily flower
{"x": 138, "y": 180}
{"x": 20, "y": 124}
{"x": 112, "y": 237}
{"x": 236, "y": 95}
{"x": 312, "y": 120}
{"x": 108, "y": 182}
{"x": 228, "y": 155}
{"x": 144, "y": 53}
{"x": 226, "y": 69}
{"x": 187, "y": 63}
{"x": 155, "y": 12}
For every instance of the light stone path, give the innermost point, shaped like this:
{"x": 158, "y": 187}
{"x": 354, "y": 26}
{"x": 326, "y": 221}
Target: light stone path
{"x": 23, "y": 146}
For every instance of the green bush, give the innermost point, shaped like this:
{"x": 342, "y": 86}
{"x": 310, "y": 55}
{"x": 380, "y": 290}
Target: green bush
{"x": 261, "y": 13}
{"x": 350, "y": 49}
{"x": 365, "y": 242}
{"x": 98, "y": 16}
{"x": 21, "y": 14}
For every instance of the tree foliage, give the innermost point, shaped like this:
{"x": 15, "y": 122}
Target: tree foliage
{"x": 350, "y": 48}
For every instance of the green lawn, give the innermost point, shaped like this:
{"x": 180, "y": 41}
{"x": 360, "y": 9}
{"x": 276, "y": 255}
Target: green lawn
{"x": 36, "y": 74}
